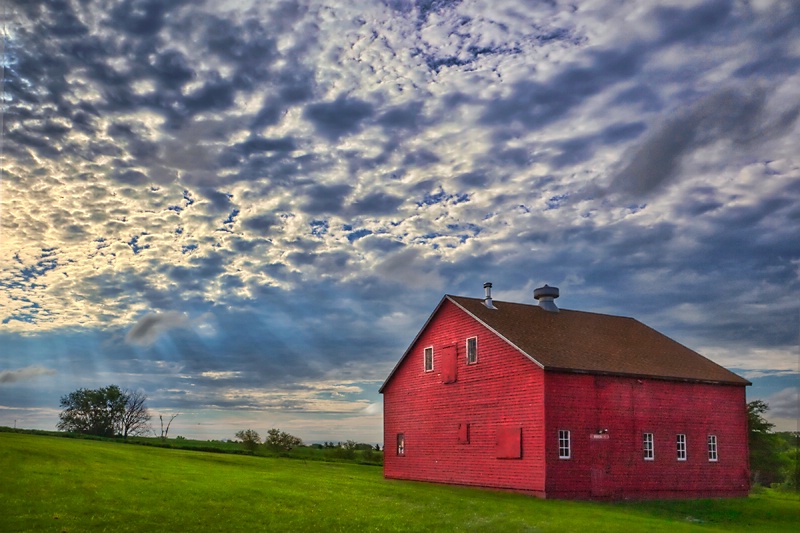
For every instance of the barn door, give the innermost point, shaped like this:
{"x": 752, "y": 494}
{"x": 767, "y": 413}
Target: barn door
{"x": 450, "y": 364}
{"x": 601, "y": 445}
{"x": 601, "y": 466}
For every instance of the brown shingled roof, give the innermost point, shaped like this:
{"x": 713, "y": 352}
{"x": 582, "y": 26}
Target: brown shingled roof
{"x": 578, "y": 341}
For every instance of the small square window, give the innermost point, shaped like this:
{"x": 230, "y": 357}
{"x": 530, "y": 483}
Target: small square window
{"x": 681, "y": 447}
{"x": 564, "y": 448}
{"x": 401, "y": 444}
{"x": 712, "y": 448}
{"x": 463, "y": 433}
{"x": 472, "y": 350}
{"x": 429, "y": 359}
{"x": 649, "y": 452}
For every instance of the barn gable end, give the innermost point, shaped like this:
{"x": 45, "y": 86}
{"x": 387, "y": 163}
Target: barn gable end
{"x": 454, "y": 431}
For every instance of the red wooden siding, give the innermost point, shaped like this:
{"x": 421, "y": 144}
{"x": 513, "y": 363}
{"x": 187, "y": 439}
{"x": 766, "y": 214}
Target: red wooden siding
{"x": 612, "y": 465}
{"x": 503, "y": 389}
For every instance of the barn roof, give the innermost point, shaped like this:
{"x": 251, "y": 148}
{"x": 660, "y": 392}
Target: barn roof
{"x": 593, "y": 343}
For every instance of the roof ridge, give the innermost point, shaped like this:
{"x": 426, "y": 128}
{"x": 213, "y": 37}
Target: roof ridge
{"x": 494, "y": 300}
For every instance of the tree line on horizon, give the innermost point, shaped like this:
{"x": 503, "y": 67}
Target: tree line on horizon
{"x": 281, "y": 440}
{"x": 116, "y": 412}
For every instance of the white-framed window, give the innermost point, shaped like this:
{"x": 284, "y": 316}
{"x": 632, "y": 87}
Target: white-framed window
{"x": 472, "y": 350}
{"x": 428, "y": 356}
{"x": 401, "y": 444}
{"x": 680, "y": 444}
{"x": 564, "y": 448}
{"x": 712, "y": 448}
{"x": 647, "y": 447}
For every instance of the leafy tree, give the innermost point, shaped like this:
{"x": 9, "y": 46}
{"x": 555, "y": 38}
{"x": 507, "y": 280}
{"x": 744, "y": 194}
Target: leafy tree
{"x": 91, "y": 411}
{"x": 756, "y": 423}
{"x": 250, "y": 438}
{"x": 791, "y": 467}
{"x": 106, "y": 412}
{"x": 767, "y": 464}
{"x": 280, "y": 440}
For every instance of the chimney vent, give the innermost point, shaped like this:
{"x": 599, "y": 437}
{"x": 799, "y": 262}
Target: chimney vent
{"x": 546, "y": 295}
{"x": 487, "y": 301}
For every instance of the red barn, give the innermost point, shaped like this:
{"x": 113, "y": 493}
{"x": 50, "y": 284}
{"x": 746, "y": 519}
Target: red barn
{"x": 562, "y": 404}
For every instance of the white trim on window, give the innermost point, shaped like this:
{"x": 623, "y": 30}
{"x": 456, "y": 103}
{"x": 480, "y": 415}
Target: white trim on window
{"x": 401, "y": 444}
{"x": 564, "y": 448}
{"x": 712, "y": 448}
{"x": 427, "y": 359}
{"x": 680, "y": 444}
{"x": 647, "y": 447}
{"x": 472, "y": 350}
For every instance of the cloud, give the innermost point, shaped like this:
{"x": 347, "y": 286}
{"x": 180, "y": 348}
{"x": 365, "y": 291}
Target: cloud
{"x": 373, "y": 409}
{"x": 152, "y": 325}
{"x": 785, "y": 404}
{"x": 25, "y": 374}
{"x": 693, "y": 23}
{"x": 734, "y": 115}
{"x": 377, "y": 203}
{"x": 343, "y": 116}
{"x": 313, "y": 176}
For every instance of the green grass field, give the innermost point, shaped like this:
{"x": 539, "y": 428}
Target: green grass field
{"x": 56, "y": 484}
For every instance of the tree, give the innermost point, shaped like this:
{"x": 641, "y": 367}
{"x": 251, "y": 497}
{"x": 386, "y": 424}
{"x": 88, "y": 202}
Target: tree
{"x": 767, "y": 465}
{"x": 135, "y": 419}
{"x": 106, "y": 412}
{"x": 756, "y": 423}
{"x": 92, "y": 411}
{"x": 250, "y": 438}
{"x": 791, "y": 459}
{"x": 278, "y": 439}
{"x": 164, "y": 432}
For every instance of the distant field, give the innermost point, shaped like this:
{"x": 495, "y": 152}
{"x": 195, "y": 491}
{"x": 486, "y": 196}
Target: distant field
{"x": 70, "y": 485}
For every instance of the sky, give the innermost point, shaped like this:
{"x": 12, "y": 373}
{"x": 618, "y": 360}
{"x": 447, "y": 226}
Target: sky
{"x": 248, "y": 209}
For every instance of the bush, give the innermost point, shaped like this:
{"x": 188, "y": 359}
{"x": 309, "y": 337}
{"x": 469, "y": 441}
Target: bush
{"x": 344, "y": 452}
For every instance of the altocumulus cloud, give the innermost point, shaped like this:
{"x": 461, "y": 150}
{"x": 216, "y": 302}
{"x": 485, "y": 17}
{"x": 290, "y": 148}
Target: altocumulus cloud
{"x": 205, "y": 197}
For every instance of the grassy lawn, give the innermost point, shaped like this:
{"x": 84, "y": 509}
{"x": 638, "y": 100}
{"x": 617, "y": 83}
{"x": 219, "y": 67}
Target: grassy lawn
{"x": 57, "y": 484}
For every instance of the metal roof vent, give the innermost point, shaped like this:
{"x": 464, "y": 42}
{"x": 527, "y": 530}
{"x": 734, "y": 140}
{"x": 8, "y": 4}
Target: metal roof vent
{"x": 488, "y": 300}
{"x": 546, "y": 295}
